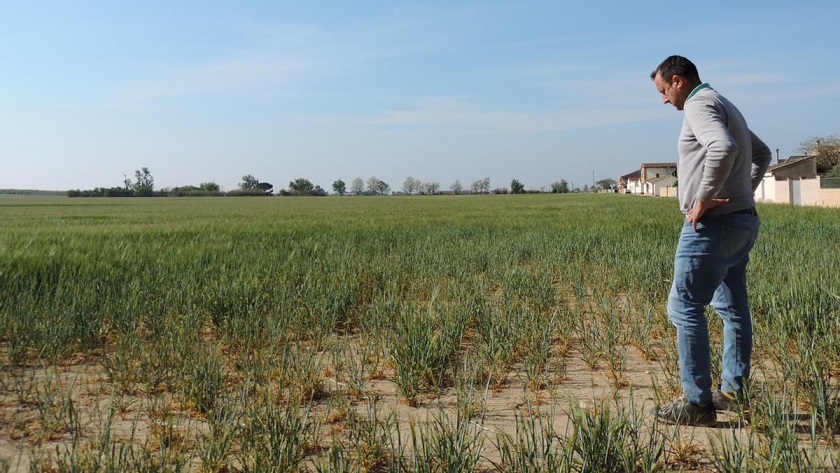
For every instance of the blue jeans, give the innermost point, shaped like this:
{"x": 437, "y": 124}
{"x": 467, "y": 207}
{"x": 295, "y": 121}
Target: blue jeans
{"x": 710, "y": 268}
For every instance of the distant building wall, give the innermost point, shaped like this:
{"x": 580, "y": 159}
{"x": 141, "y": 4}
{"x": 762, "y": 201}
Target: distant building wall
{"x": 635, "y": 187}
{"x": 806, "y": 168}
{"x": 763, "y": 193}
{"x": 655, "y": 186}
{"x": 771, "y": 190}
{"x": 830, "y": 197}
{"x": 782, "y": 191}
{"x": 668, "y": 192}
{"x": 810, "y": 191}
{"x": 651, "y": 171}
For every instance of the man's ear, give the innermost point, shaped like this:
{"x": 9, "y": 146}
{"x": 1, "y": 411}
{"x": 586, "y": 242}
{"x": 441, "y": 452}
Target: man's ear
{"x": 676, "y": 81}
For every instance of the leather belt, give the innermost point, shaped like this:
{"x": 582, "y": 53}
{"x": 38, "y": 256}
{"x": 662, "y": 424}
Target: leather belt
{"x": 749, "y": 211}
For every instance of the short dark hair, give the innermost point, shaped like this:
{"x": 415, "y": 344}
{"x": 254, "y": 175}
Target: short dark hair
{"x": 676, "y": 65}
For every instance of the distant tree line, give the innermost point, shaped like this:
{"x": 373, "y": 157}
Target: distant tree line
{"x": 825, "y": 148}
{"x": 143, "y": 185}
{"x": 29, "y": 192}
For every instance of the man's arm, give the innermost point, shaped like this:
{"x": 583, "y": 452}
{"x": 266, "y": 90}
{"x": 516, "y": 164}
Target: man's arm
{"x": 761, "y": 157}
{"x": 708, "y": 124}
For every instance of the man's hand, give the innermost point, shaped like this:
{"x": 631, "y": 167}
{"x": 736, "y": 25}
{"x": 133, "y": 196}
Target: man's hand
{"x": 701, "y": 208}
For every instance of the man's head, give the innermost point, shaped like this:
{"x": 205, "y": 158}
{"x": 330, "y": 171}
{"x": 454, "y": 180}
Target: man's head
{"x": 675, "y": 78}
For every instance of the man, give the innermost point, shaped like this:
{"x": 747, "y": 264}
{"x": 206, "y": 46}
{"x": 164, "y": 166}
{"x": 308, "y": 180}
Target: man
{"x": 721, "y": 163}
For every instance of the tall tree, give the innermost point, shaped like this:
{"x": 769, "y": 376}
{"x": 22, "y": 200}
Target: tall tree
{"x": 248, "y": 182}
{"x": 357, "y": 186}
{"x": 516, "y": 187}
{"x": 481, "y": 186}
{"x": 339, "y": 187}
{"x": 825, "y": 148}
{"x": 377, "y": 186}
{"x": 209, "y": 186}
{"x": 456, "y": 187}
{"x": 560, "y": 187}
{"x": 302, "y": 186}
{"x": 429, "y": 188}
{"x": 144, "y": 183}
{"x": 411, "y": 185}
{"x": 606, "y": 183}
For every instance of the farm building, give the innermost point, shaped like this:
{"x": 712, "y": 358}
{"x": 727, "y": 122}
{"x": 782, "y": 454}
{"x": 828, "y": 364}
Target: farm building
{"x": 650, "y": 179}
{"x": 795, "y": 181}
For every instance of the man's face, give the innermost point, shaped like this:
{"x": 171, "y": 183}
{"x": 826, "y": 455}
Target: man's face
{"x": 674, "y": 93}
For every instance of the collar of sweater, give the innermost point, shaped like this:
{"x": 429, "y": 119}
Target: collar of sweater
{"x": 704, "y": 85}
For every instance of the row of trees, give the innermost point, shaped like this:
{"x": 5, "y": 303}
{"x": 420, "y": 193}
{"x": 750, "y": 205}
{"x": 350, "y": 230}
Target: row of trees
{"x": 358, "y": 186}
{"x": 143, "y": 185}
{"x": 825, "y": 148}
{"x": 413, "y": 186}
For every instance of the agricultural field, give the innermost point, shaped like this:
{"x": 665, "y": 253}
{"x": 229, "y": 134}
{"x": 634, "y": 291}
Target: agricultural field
{"x": 363, "y": 334}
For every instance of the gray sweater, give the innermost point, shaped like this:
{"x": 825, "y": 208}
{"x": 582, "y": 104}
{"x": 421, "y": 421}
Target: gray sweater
{"x": 719, "y": 156}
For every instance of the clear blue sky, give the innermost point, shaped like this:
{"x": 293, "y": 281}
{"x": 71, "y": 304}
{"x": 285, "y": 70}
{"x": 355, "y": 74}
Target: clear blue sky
{"x": 441, "y": 91}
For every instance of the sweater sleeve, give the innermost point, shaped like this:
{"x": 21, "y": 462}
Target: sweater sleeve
{"x": 708, "y": 123}
{"x": 761, "y": 157}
